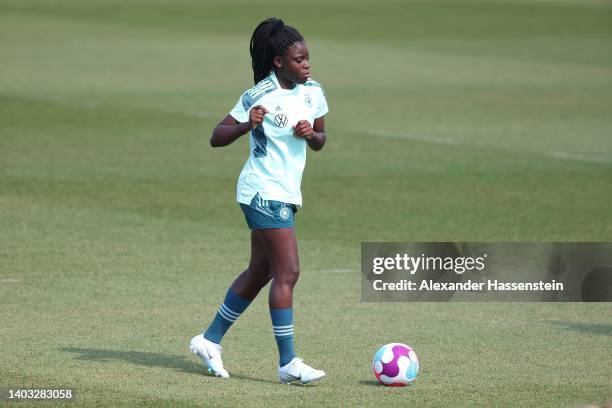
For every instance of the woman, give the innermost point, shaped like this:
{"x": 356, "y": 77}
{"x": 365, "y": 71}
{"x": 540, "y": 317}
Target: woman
{"x": 284, "y": 113}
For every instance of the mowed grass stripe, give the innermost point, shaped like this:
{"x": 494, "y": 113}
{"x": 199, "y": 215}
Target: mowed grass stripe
{"x": 139, "y": 180}
{"x": 467, "y": 19}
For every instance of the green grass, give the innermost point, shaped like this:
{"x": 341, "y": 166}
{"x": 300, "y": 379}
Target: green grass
{"x": 456, "y": 120}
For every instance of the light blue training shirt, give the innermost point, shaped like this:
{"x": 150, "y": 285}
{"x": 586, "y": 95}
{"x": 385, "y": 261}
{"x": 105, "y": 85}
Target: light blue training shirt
{"x": 277, "y": 157}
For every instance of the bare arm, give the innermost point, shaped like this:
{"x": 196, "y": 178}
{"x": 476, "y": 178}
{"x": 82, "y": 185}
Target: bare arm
{"x": 229, "y": 129}
{"x": 314, "y": 135}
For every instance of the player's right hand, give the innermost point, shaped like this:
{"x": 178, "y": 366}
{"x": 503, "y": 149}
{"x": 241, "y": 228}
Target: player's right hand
{"x": 257, "y": 115}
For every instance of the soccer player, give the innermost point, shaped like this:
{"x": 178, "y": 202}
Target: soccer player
{"x": 284, "y": 113}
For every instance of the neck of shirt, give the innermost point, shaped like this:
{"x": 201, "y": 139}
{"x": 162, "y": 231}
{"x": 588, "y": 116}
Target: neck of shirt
{"x": 280, "y": 88}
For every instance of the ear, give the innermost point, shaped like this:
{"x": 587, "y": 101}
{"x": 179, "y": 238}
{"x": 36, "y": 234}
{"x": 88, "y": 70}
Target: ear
{"x": 278, "y": 62}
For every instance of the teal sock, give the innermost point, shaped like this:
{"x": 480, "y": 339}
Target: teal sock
{"x": 282, "y": 325}
{"x": 231, "y": 308}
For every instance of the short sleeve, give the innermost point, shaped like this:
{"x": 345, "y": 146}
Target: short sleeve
{"x": 239, "y": 112}
{"x": 322, "y": 108}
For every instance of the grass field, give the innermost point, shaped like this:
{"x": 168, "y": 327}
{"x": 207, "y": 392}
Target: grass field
{"x": 450, "y": 120}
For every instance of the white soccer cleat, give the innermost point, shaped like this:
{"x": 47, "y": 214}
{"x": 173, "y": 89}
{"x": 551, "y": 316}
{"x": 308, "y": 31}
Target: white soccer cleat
{"x": 210, "y": 353}
{"x": 297, "y": 371}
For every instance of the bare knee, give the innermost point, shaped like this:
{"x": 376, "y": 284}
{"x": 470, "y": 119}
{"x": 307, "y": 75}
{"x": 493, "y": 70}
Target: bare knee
{"x": 259, "y": 276}
{"x": 288, "y": 276}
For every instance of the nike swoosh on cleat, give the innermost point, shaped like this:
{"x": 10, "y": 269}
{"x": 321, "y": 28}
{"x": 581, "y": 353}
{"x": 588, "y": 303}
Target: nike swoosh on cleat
{"x": 298, "y": 378}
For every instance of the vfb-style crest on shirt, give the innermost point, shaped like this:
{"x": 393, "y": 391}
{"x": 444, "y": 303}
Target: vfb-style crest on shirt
{"x": 308, "y": 100}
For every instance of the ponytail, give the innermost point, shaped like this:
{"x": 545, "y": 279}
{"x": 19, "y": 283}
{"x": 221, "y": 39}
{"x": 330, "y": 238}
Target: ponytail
{"x": 270, "y": 39}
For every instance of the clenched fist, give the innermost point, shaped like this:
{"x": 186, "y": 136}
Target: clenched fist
{"x": 303, "y": 129}
{"x": 257, "y": 115}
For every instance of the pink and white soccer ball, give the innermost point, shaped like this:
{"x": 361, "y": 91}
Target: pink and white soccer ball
{"x": 395, "y": 364}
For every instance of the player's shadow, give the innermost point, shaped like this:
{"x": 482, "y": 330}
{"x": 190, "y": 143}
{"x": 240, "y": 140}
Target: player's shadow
{"x": 592, "y": 328}
{"x": 148, "y": 359}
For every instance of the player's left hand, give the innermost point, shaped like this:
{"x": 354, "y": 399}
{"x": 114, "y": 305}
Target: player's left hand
{"x": 303, "y": 129}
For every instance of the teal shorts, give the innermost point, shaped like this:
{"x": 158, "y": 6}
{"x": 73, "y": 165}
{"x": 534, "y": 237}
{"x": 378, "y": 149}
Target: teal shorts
{"x": 264, "y": 214}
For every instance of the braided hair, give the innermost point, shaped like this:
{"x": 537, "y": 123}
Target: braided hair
{"x": 270, "y": 39}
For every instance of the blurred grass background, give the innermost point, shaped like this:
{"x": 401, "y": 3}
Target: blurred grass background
{"x": 450, "y": 120}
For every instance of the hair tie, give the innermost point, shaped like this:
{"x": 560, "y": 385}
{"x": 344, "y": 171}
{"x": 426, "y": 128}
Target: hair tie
{"x": 278, "y": 24}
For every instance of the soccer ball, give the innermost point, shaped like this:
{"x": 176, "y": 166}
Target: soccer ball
{"x": 395, "y": 364}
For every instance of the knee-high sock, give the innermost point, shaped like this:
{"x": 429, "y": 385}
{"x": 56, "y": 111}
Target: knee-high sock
{"x": 231, "y": 308}
{"x": 282, "y": 325}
